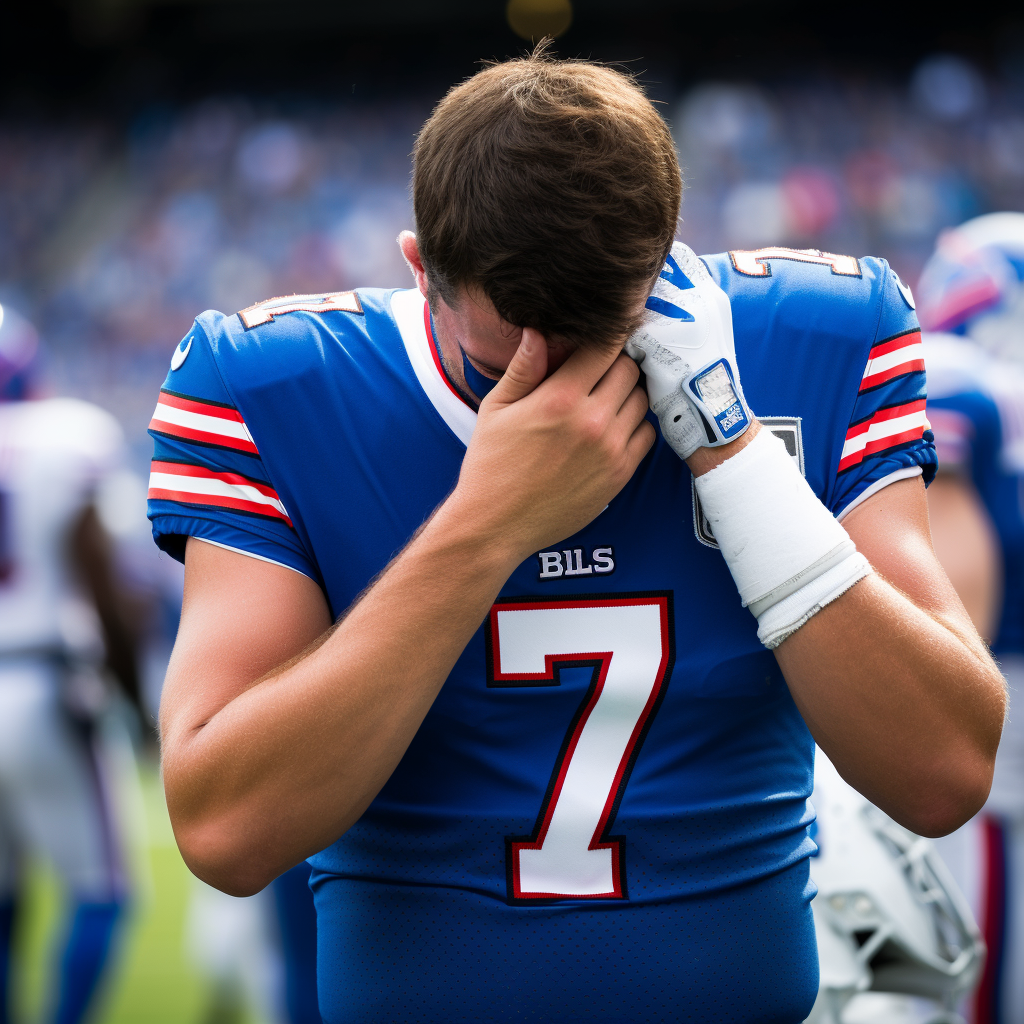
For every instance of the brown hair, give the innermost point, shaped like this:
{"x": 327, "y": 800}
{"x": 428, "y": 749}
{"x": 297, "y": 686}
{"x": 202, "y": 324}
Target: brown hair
{"x": 554, "y": 187}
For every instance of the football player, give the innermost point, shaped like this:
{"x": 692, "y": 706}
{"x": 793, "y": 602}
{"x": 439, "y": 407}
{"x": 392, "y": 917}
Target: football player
{"x": 60, "y": 612}
{"x": 971, "y": 295}
{"x": 552, "y": 761}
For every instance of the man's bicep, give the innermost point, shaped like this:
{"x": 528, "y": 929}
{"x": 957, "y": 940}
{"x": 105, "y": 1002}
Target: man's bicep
{"x": 891, "y": 529}
{"x": 241, "y": 618}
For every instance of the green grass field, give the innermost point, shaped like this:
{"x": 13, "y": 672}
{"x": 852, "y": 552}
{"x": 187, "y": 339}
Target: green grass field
{"x": 152, "y": 981}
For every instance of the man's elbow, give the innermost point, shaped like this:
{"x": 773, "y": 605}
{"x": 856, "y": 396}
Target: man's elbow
{"x": 948, "y": 801}
{"x": 956, "y": 783}
{"x": 217, "y": 854}
{"x": 214, "y": 833}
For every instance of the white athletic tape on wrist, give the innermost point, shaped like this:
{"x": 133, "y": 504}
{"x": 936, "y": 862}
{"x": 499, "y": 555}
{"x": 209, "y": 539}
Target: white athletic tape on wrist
{"x": 785, "y": 618}
{"x": 776, "y": 537}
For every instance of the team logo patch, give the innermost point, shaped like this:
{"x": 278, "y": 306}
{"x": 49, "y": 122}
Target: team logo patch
{"x": 908, "y": 295}
{"x": 788, "y": 430}
{"x": 180, "y": 355}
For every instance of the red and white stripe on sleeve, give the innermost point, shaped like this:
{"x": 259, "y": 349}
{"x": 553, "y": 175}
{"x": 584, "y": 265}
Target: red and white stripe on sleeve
{"x": 196, "y": 485}
{"x": 204, "y": 422}
{"x": 888, "y": 427}
{"x": 893, "y": 358}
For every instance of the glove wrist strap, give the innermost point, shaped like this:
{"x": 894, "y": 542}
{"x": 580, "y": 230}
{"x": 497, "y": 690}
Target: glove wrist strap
{"x": 715, "y": 393}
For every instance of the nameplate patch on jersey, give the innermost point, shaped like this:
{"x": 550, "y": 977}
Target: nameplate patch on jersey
{"x": 575, "y": 562}
{"x": 787, "y": 429}
{"x": 755, "y": 262}
{"x": 328, "y": 302}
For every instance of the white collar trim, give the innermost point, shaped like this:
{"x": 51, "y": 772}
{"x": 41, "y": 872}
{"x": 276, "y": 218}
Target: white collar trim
{"x": 407, "y": 306}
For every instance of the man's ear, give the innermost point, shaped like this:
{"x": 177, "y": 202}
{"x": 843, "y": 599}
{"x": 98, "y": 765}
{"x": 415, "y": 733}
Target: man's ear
{"x": 411, "y": 252}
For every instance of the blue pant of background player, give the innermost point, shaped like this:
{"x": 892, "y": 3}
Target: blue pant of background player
{"x": 87, "y": 948}
{"x": 297, "y": 921}
{"x": 57, "y": 808}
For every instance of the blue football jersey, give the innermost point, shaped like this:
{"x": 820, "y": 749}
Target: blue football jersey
{"x": 614, "y": 758}
{"x": 976, "y": 408}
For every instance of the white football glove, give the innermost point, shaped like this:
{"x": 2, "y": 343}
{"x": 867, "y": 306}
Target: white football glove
{"x": 685, "y": 347}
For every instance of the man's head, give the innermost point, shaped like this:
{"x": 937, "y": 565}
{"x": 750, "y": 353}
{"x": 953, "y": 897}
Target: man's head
{"x": 546, "y": 192}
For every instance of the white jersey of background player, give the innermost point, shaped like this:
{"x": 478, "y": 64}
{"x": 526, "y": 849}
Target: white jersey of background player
{"x": 59, "y": 619}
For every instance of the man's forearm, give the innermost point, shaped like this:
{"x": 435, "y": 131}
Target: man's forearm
{"x": 260, "y": 775}
{"x": 287, "y": 766}
{"x": 891, "y": 677}
{"x": 907, "y": 707}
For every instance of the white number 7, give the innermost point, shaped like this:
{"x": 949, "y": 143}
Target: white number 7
{"x": 627, "y": 641}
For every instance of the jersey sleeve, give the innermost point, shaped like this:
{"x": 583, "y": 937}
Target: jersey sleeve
{"x": 889, "y": 437}
{"x": 207, "y": 478}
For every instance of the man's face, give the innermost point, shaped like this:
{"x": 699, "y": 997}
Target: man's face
{"x": 473, "y": 326}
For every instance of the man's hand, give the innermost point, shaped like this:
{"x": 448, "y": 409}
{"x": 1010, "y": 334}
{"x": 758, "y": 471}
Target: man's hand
{"x": 548, "y": 455}
{"x": 685, "y": 345}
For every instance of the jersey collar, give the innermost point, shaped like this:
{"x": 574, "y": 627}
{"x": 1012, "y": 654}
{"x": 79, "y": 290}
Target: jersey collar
{"x": 412, "y": 315}
{"x": 428, "y": 325}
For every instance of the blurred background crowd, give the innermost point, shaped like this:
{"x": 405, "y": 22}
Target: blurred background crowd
{"x": 162, "y": 157}
{"x": 115, "y": 232}
{"x": 119, "y": 221}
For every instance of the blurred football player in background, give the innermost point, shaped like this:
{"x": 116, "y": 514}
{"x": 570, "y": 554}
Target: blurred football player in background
{"x": 231, "y": 944}
{"x": 257, "y": 953}
{"x": 61, "y": 619}
{"x": 971, "y": 300}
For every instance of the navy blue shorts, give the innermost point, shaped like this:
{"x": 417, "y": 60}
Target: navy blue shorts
{"x": 411, "y": 953}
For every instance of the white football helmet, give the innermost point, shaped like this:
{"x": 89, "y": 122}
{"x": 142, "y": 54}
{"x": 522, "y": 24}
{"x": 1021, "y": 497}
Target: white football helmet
{"x": 973, "y": 284}
{"x": 888, "y": 915}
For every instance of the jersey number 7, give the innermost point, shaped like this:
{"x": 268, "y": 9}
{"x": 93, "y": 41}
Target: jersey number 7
{"x": 627, "y": 643}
